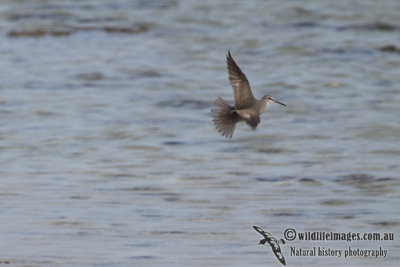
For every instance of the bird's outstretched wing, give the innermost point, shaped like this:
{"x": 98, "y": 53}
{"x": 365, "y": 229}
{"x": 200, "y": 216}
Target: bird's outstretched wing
{"x": 277, "y": 251}
{"x": 261, "y": 231}
{"x": 241, "y": 87}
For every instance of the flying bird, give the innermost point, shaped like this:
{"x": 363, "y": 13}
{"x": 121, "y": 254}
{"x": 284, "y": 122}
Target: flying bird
{"x": 273, "y": 242}
{"x": 247, "y": 108}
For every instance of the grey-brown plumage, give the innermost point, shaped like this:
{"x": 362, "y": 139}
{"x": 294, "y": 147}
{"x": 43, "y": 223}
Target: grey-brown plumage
{"x": 246, "y": 108}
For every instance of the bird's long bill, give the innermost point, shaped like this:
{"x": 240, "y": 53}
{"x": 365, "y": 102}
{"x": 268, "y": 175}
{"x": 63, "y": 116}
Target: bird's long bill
{"x": 276, "y": 101}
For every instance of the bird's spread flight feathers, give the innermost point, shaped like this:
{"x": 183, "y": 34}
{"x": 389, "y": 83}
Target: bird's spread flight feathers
{"x": 241, "y": 87}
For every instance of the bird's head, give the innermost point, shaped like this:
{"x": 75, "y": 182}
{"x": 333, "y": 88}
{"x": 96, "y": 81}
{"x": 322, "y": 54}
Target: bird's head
{"x": 268, "y": 99}
{"x": 262, "y": 241}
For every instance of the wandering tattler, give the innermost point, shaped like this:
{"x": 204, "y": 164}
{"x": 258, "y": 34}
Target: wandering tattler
{"x": 246, "y": 108}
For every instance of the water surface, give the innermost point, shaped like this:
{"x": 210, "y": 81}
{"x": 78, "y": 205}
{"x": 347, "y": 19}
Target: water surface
{"x": 108, "y": 155}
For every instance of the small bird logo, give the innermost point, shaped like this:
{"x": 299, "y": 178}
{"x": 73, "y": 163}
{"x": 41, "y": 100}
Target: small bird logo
{"x": 273, "y": 242}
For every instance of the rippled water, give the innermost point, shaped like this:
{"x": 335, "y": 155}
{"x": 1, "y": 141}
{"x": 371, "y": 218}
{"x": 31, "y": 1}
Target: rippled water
{"x": 108, "y": 155}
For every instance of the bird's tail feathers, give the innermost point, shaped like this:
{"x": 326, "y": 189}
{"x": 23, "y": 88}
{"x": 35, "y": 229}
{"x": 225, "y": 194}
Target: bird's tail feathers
{"x": 225, "y": 117}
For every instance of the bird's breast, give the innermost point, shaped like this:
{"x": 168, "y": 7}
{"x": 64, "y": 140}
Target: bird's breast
{"x": 262, "y": 108}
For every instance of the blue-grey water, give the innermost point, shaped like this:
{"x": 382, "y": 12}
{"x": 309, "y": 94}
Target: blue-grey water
{"x": 108, "y": 155}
